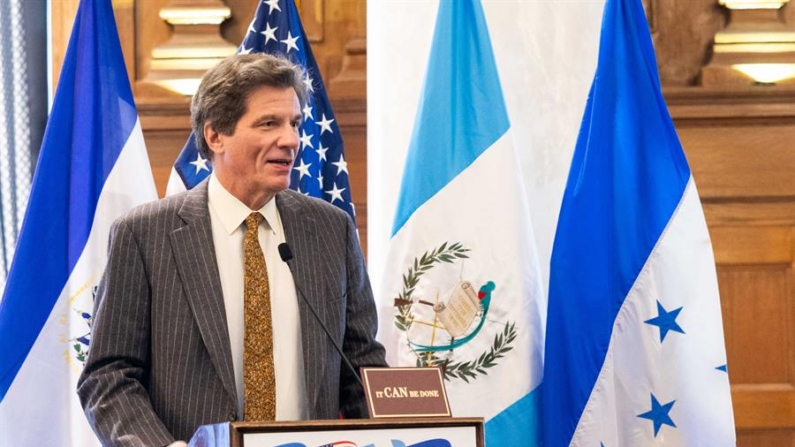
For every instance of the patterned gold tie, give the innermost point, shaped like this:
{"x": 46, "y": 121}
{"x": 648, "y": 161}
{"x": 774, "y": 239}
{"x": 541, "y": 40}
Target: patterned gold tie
{"x": 259, "y": 379}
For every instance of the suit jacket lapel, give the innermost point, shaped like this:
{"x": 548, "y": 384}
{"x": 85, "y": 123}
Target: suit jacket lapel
{"x": 299, "y": 234}
{"x": 194, "y": 252}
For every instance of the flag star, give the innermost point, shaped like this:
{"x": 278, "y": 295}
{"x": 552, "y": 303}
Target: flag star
{"x": 273, "y": 4}
{"x": 308, "y": 113}
{"x": 321, "y": 151}
{"x": 659, "y": 414}
{"x": 341, "y": 165}
{"x": 244, "y": 50}
{"x": 336, "y": 193}
{"x": 251, "y": 28}
{"x": 353, "y": 209}
{"x": 320, "y": 179}
{"x": 308, "y": 83}
{"x": 290, "y": 41}
{"x": 303, "y": 168}
{"x": 325, "y": 124}
{"x": 269, "y": 33}
{"x": 200, "y": 163}
{"x": 306, "y": 140}
{"x": 666, "y": 321}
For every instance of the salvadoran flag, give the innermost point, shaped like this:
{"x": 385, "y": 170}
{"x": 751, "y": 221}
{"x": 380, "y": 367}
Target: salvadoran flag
{"x": 462, "y": 286}
{"x": 92, "y": 168}
{"x": 634, "y": 350}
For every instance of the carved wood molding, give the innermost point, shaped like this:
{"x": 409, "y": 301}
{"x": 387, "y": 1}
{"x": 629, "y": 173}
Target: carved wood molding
{"x": 351, "y": 82}
{"x": 764, "y": 104}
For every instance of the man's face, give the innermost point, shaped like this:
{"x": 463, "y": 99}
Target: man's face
{"x": 254, "y": 163}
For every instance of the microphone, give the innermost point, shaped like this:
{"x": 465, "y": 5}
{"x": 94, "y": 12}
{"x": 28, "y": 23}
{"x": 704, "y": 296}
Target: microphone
{"x": 287, "y": 255}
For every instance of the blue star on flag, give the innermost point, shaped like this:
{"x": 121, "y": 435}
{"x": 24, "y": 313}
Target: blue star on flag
{"x": 659, "y": 414}
{"x": 666, "y": 321}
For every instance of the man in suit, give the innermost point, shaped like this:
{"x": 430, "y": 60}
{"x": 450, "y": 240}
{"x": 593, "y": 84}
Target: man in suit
{"x": 197, "y": 319}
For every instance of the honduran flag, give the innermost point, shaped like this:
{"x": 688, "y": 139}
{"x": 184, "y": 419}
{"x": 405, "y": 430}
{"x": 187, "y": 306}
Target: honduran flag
{"x": 462, "y": 287}
{"x": 634, "y": 347}
{"x": 92, "y": 167}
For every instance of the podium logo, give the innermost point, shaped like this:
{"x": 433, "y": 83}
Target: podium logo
{"x": 445, "y": 316}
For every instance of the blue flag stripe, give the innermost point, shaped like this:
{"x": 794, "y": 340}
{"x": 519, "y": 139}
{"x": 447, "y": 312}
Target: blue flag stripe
{"x": 517, "y": 425}
{"x": 445, "y": 125}
{"x": 627, "y": 177}
{"x": 92, "y": 117}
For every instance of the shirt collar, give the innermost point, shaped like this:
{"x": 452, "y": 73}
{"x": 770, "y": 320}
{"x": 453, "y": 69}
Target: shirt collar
{"x": 232, "y": 212}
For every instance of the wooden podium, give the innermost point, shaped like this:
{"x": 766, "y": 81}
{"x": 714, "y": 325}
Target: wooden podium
{"x": 393, "y": 432}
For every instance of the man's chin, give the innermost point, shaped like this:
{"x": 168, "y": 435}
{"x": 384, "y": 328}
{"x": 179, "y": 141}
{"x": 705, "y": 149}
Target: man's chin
{"x": 278, "y": 187}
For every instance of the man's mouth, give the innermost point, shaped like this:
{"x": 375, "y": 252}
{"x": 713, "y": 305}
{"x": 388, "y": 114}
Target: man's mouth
{"x": 281, "y": 161}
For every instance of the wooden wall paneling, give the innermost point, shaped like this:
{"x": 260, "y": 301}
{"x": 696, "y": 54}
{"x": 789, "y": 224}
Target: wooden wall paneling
{"x": 757, "y": 354}
{"x": 733, "y": 161}
{"x": 234, "y": 28}
{"x": 166, "y": 128}
{"x": 771, "y": 212}
{"x": 165, "y": 116}
{"x": 63, "y": 14}
{"x": 755, "y": 279}
{"x": 766, "y": 438}
{"x": 341, "y": 57}
{"x": 683, "y": 33}
{"x": 124, "y": 10}
{"x": 763, "y": 409}
{"x": 313, "y": 18}
{"x": 739, "y": 142}
{"x": 151, "y": 32}
{"x": 352, "y": 119}
{"x": 741, "y": 152}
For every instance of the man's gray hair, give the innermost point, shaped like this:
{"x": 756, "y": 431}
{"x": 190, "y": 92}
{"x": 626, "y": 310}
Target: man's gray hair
{"x": 224, "y": 91}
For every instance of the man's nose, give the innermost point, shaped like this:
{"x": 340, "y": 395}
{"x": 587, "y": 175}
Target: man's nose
{"x": 289, "y": 137}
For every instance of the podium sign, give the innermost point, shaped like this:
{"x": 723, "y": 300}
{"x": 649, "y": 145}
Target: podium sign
{"x": 405, "y": 392}
{"x": 450, "y": 432}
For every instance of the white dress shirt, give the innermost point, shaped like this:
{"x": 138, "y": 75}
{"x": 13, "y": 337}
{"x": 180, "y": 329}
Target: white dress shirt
{"x": 227, "y": 216}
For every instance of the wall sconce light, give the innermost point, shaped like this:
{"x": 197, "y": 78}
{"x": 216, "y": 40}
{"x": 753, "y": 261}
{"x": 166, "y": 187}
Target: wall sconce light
{"x": 195, "y": 46}
{"x": 755, "y": 47}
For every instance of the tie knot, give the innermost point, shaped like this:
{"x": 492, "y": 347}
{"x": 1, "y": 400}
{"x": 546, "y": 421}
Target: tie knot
{"x": 253, "y": 220}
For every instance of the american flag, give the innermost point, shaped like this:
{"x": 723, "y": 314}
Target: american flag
{"x": 320, "y": 168}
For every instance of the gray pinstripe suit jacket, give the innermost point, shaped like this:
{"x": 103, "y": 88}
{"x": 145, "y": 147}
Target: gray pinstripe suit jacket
{"x": 159, "y": 364}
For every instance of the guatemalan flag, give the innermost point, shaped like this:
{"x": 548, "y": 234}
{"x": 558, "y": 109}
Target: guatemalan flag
{"x": 321, "y": 170}
{"x": 462, "y": 287}
{"x": 634, "y": 351}
{"x": 92, "y": 168}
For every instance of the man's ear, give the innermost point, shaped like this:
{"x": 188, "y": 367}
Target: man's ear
{"x": 214, "y": 139}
